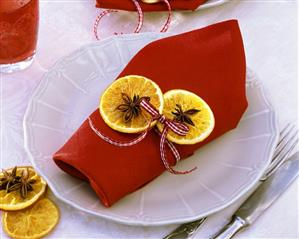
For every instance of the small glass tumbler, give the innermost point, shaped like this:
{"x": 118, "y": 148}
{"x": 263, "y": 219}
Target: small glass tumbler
{"x": 18, "y": 34}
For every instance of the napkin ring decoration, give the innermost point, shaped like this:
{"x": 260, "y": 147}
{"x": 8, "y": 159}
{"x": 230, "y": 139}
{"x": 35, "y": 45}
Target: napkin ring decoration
{"x": 176, "y": 127}
{"x": 136, "y": 114}
{"x": 140, "y": 17}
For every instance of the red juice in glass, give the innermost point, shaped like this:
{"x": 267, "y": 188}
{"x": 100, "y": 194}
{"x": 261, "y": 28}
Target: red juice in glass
{"x": 18, "y": 33}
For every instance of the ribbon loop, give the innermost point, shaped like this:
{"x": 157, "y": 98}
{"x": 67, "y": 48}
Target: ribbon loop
{"x": 176, "y": 154}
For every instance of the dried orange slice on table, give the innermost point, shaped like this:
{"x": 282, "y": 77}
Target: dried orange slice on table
{"x": 33, "y": 222}
{"x": 13, "y": 196}
{"x": 187, "y": 107}
{"x": 119, "y": 105}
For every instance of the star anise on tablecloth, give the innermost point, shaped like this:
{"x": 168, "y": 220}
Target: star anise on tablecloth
{"x": 184, "y": 116}
{"x": 131, "y": 106}
{"x": 8, "y": 179}
{"x": 24, "y": 184}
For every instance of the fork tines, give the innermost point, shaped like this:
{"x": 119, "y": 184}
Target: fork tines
{"x": 287, "y": 141}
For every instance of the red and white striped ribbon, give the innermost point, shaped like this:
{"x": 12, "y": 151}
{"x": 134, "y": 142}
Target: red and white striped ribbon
{"x": 176, "y": 127}
{"x": 168, "y": 21}
{"x": 115, "y": 142}
{"x": 140, "y": 18}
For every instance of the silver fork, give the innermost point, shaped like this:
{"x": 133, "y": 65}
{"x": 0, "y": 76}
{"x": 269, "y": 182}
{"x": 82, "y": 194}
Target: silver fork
{"x": 288, "y": 140}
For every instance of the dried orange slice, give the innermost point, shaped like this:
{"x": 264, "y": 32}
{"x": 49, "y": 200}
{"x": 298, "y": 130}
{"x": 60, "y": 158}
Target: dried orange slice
{"x": 119, "y": 105}
{"x": 187, "y": 107}
{"x": 33, "y": 222}
{"x": 13, "y": 200}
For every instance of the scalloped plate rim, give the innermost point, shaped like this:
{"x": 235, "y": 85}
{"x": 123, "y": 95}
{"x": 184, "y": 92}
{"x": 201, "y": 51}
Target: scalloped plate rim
{"x": 211, "y": 4}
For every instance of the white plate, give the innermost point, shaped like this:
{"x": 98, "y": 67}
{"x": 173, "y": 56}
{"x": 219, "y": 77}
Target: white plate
{"x": 228, "y": 167}
{"x": 212, "y": 3}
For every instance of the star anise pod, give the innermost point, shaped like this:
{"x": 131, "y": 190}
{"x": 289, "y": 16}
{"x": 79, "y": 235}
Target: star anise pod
{"x": 131, "y": 106}
{"x": 24, "y": 184}
{"x": 184, "y": 116}
{"x": 8, "y": 179}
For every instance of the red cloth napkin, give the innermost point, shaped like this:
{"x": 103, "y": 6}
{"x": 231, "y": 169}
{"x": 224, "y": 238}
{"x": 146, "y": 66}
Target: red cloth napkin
{"x": 128, "y": 5}
{"x": 209, "y": 62}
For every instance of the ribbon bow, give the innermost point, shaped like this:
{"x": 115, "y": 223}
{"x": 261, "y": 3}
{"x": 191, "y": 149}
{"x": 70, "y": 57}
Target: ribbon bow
{"x": 175, "y": 126}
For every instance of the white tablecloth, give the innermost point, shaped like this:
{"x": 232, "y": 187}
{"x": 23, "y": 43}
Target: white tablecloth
{"x": 269, "y": 32}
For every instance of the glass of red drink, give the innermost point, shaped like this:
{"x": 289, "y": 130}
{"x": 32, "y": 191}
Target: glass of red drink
{"x": 18, "y": 33}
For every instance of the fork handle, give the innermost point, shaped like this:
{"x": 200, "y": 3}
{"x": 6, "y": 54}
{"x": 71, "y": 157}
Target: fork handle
{"x": 186, "y": 230}
{"x": 231, "y": 229}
